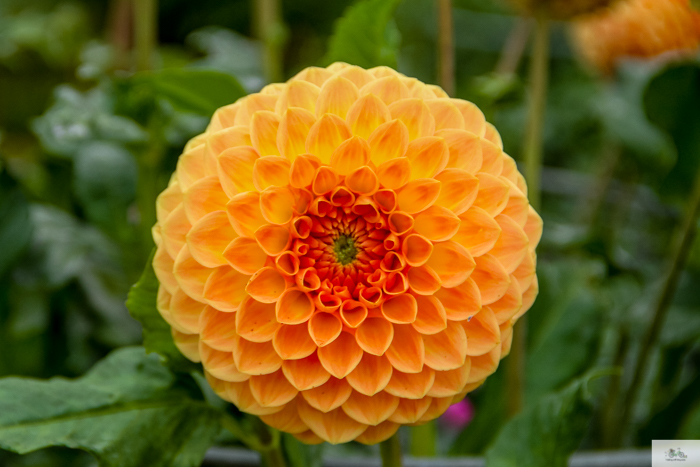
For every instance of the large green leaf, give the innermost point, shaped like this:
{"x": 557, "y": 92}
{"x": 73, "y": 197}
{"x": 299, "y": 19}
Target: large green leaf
{"x": 157, "y": 336}
{"x": 548, "y": 432}
{"x": 366, "y": 35}
{"x": 193, "y": 90}
{"x": 125, "y": 411}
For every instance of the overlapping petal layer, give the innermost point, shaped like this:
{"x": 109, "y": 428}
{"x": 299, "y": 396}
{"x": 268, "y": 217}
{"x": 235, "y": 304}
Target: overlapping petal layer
{"x": 346, "y": 253}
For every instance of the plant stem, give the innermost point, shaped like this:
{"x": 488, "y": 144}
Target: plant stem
{"x": 515, "y": 369}
{"x": 274, "y": 457}
{"x": 423, "y": 440}
{"x": 682, "y": 244}
{"x": 269, "y": 28}
{"x": 514, "y": 47}
{"x": 539, "y": 71}
{"x": 145, "y": 28}
{"x": 391, "y": 452}
{"x": 446, "y": 47}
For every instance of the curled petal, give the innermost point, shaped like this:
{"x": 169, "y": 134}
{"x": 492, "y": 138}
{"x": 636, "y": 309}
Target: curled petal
{"x": 266, "y": 285}
{"x": 225, "y": 288}
{"x": 451, "y": 382}
{"x": 365, "y": 207}
{"x": 406, "y": 352}
{"x": 341, "y": 196}
{"x": 353, "y": 313}
{"x": 423, "y": 280}
{"x": 294, "y": 307}
{"x": 362, "y": 181}
{"x": 461, "y": 302}
{"x": 245, "y": 255}
{"x": 371, "y": 410}
{"x": 400, "y": 309}
{"x": 286, "y": 420}
{"x": 452, "y": 263}
{"x": 350, "y": 155}
{"x": 437, "y": 224}
{"x": 324, "y": 328}
{"x": 416, "y": 249}
{"x": 366, "y": 114}
{"x": 255, "y": 321}
{"x": 372, "y": 297}
{"x": 483, "y": 333}
{"x": 410, "y": 410}
{"x": 415, "y": 114}
{"x": 386, "y": 200}
{"x": 244, "y": 213}
{"x": 388, "y": 141}
{"x": 428, "y": 156}
{"x": 308, "y": 280}
{"x": 341, "y": 356}
{"x": 336, "y": 96}
{"x": 235, "y": 169}
{"x": 396, "y": 283}
{"x": 371, "y": 375}
{"x": 431, "y": 317}
{"x": 394, "y": 173}
{"x": 270, "y": 171}
{"x": 209, "y": 237}
{"x": 293, "y": 342}
{"x": 491, "y": 278}
{"x": 375, "y": 335}
{"x": 324, "y": 181}
{"x": 411, "y": 385}
{"x": 255, "y": 358}
{"x": 459, "y": 190}
{"x": 400, "y": 222}
{"x": 334, "y": 427}
{"x": 293, "y": 131}
{"x": 272, "y": 390}
{"x": 465, "y": 150}
{"x": 326, "y": 135}
{"x": 478, "y": 232}
{"x": 447, "y": 349}
{"x": 305, "y": 373}
{"x": 329, "y": 396}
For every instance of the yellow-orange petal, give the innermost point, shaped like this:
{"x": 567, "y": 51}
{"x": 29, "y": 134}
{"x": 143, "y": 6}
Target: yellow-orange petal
{"x": 239, "y": 394}
{"x": 478, "y": 232}
{"x": 251, "y": 104}
{"x": 235, "y": 169}
{"x": 298, "y": 93}
{"x": 294, "y": 307}
{"x": 465, "y": 150}
{"x": 303, "y": 171}
{"x": 410, "y": 410}
{"x": 336, "y": 96}
{"x": 423, "y": 280}
{"x": 492, "y": 135}
{"x": 438, "y": 406}
{"x": 371, "y": 410}
{"x": 359, "y": 76}
{"x": 277, "y": 204}
{"x": 525, "y": 273}
{"x": 292, "y": 341}
{"x": 491, "y": 278}
{"x": 379, "y": 433}
{"x": 292, "y": 132}
{"x": 446, "y": 114}
{"x": 263, "y": 132}
{"x": 305, "y": 373}
{"x": 174, "y": 231}
{"x": 325, "y": 328}
{"x": 286, "y": 420}
{"x": 474, "y": 120}
{"x": 221, "y": 364}
{"x": 388, "y": 88}
{"x": 447, "y": 349}
{"x": 191, "y": 166}
{"x": 273, "y": 239}
{"x": 271, "y": 171}
{"x": 362, "y": 181}
{"x": 461, "y": 302}
{"x": 185, "y": 312}
{"x": 350, "y": 155}
{"x": 431, "y": 317}
{"x": 266, "y": 285}
{"x": 485, "y": 365}
{"x": 167, "y": 201}
{"x": 418, "y": 195}
{"x": 406, "y": 352}
{"x": 244, "y": 213}
{"x": 400, "y": 309}
{"x": 329, "y": 396}
{"x": 371, "y": 375}
{"x": 428, "y": 156}
{"x": 217, "y": 329}
{"x": 187, "y": 344}
{"x": 324, "y": 181}
{"x": 313, "y": 74}
{"x": 366, "y": 114}
{"x": 483, "y": 333}
{"x": 394, "y": 173}
{"x": 163, "y": 267}
{"x": 512, "y": 244}
{"x": 255, "y": 358}
{"x": 416, "y": 249}
{"x": 493, "y": 193}
{"x": 528, "y": 298}
{"x": 341, "y": 356}
{"x": 225, "y": 289}
{"x": 209, "y": 237}
{"x": 411, "y": 385}
{"x": 437, "y": 224}
{"x": 458, "y": 190}
{"x": 451, "y": 382}
{"x": 518, "y": 205}
{"x": 533, "y": 228}
{"x": 415, "y": 114}
{"x": 203, "y": 197}
{"x": 326, "y": 135}
{"x": 232, "y": 137}
{"x": 492, "y": 158}
{"x": 353, "y": 313}
{"x": 334, "y": 427}
{"x": 245, "y": 255}
{"x": 272, "y": 390}
{"x": 452, "y": 263}
{"x": 388, "y": 141}
{"x": 375, "y": 335}
{"x": 190, "y": 275}
{"x": 255, "y": 321}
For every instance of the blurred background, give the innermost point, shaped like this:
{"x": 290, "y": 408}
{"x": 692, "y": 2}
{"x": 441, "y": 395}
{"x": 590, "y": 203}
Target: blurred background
{"x": 87, "y": 140}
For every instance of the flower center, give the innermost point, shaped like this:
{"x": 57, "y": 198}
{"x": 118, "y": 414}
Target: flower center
{"x": 345, "y": 249}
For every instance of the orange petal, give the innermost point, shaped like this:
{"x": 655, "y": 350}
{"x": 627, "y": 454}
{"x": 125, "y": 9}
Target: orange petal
{"x": 251, "y": 104}
{"x": 512, "y": 244}
{"x": 437, "y": 223}
{"x": 303, "y": 171}
{"x": 174, "y": 231}
{"x": 209, "y": 237}
{"x": 305, "y": 373}
{"x": 410, "y": 410}
{"x": 336, "y": 97}
{"x": 221, "y": 364}
{"x": 235, "y": 170}
{"x": 492, "y": 135}
{"x": 263, "y": 132}
{"x": 423, "y": 280}
{"x": 491, "y": 278}
{"x": 191, "y": 166}
{"x": 223, "y": 117}
{"x": 451, "y": 382}
{"x": 483, "y": 333}
{"x": 458, "y": 190}
{"x": 266, "y": 285}
{"x": 272, "y": 390}
{"x": 359, "y": 76}
{"x": 277, "y": 204}
{"x": 418, "y": 195}
{"x": 461, "y": 302}
{"x": 190, "y": 275}
{"x": 529, "y": 297}
{"x": 352, "y": 154}
{"x": 428, "y": 156}
{"x": 478, "y": 232}
{"x": 185, "y": 312}
{"x": 400, "y": 309}
{"x": 245, "y": 255}
{"x": 334, "y": 427}
{"x": 533, "y": 228}
{"x": 227, "y": 138}
{"x": 446, "y": 114}
{"x": 525, "y": 273}
{"x": 326, "y": 135}
{"x": 389, "y": 89}
{"x": 431, "y": 317}
{"x": 205, "y": 196}
{"x": 240, "y": 395}
{"x": 313, "y": 74}
{"x": 394, "y": 173}
{"x": 417, "y": 88}
{"x": 293, "y": 341}
{"x": 474, "y": 120}
{"x": 286, "y": 420}
{"x": 362, "y": 181}
{"x": 379, "y": 433}
{"x": 385, "y": 199}
{"x": 383, "y": 71}
{"x": 518, "y": 205}
{"x": 187, "y": 344}
{"x": 167, "y": 201}
{"x": 353, "y": 313}
{"x": 493, "y": 194}
{"x": 341, "y": 356}
{"x": 416, "y": 249}
{"x": 438, "y": 406}
{"x": 485, "y": 365}
{"x": 371, "y": 375}
{"x": 271, "y": 171}
{"x": 293, "y": 131}
{"x": 388, "y": 141}
{"x": 298, "y": 93}
{"x": 374, "y": 335}
{"x": 244, "y": 213}
{"x": 225, "y": 289}
{"x": 273, "y": 239}
{"x": 452, "y": 263}
{"x": 492, "y": 158}
{"x": 324, "y": 181}
{"x": 294, "y": 307}
{"x": 406, "y": 352}
{"x": 255, "y": 321}
{"x": 328, "y": 396}
{"x": 255, "y": 358}
{"x": 217, "y": 329}
{"x": 415, "y": 114}
{"x": 324, "y": 328}
{"x": 465, "y": 150}
{"x": 396, "y": 284}
{"x": 371, "y": 410}
{"x": 366, "y": 114}
{"x": 411, "y": 385}
{"x": 447, "y": 349}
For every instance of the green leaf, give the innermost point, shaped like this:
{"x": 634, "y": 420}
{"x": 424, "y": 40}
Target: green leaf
{"x": 548, "y": 432}
{"x": 157, "y": 336}
{"x": 302, "y": 455}
{"x": 16, "y": 226}
{"x": 366, "y": 35}
{"x": 193, "y": 90}
{"x": 125, "y": 411}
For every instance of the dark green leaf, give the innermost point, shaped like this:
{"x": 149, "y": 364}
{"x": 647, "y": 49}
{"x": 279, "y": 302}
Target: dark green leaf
{"x": 15, "y": 227}
{"x": 157, "y": 336}
{"x": 193, "y": 90}
{"x": 366, "y": 35}
{"x": 301, "y": 455}
{"x": 548, "y": 432}
{"x": 125, "y": 411}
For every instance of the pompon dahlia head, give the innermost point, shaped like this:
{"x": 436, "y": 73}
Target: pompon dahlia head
{"x": 346, "y": 252}
{"x": 638, "y": 28}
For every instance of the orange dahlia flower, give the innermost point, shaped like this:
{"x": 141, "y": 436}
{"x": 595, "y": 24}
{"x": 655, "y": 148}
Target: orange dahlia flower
{"x": 637, "y": 28}
{"x": 346, "y": 252}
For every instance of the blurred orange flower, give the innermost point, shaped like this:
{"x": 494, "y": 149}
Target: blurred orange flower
{"x": 637, "y": 28}
{"x": 561, "y": 9}
{"x": 346, "y": 252}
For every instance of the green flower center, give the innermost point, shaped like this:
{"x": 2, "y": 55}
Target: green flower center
{"x": 345, "y": 249}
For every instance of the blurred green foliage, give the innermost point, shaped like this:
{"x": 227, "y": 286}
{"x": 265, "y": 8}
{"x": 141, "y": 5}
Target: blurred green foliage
{"x": 86, "y": 145}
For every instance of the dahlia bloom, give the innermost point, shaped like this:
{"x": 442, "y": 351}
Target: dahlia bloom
{"x": 346, "y": 252}
{"x": 560, "y": 9}
{"x": 637, "y": 28}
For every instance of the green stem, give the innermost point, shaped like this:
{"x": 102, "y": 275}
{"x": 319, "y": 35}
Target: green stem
{"x": 423, "y": 440}
{"x": 145, "y": 29}
{"x": 515, "y": 369}
{"x": 681, "y": 249}
{"x": 391, "y": 452}
{"x": 514, "y": 47}
{"x": 274, "y": 457}
{"x": 539, "y": 71}
{"x": 269, "y": 27}
{"x": 446, "y": 47}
